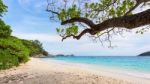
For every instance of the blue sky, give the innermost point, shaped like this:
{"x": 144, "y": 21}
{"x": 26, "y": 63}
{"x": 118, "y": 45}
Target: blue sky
{"x": 29, "y": 20}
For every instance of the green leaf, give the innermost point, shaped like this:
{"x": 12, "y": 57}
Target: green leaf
{"x": 58, "y": 30}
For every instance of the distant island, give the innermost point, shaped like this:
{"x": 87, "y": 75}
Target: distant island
{"x": 145, "y": 54}
{"x": 62, "y": 55}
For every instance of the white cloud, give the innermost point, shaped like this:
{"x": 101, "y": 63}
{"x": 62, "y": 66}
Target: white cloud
{"x": 40, "y": 37}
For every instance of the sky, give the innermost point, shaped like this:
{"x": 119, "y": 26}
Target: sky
{"x": 29, "y": 20}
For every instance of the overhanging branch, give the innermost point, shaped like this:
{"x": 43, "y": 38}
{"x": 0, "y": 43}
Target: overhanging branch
{"x": 79, "y": 19}
{"x": 78, "y": 36}
{"x": 129, "y": 22}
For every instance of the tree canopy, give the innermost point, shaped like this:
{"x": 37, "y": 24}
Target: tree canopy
{"x": 3, "y": 8}
{"x": 97, "y": 17}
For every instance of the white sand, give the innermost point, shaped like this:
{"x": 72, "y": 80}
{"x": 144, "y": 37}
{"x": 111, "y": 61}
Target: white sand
{"x": 40, "y": 72}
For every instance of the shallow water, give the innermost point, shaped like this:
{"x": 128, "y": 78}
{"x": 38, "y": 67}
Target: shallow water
{"x": 141, "y": 64}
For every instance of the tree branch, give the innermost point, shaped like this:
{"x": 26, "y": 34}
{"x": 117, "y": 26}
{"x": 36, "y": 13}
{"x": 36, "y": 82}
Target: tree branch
{"x": 129, "y": 22}
{"x": 99, "y": 10}
{"x": 141, "y": 1}
{"x": 79, "y": 19}
{"x": 49, "y": 10}
{"x": 53, "y": 12}
{"x": 78, "y": 36}
{"x": 137, "y": 4}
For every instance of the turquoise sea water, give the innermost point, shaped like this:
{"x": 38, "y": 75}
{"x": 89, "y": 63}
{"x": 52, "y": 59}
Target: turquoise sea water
{"x": 141, "y": 64}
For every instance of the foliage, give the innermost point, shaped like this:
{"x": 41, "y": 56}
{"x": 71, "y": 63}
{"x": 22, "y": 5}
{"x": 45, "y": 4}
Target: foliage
{"x": 96, "y": 17}
{"x": 98, "y": 11}
{"x": 12, "y": 52}
{"x": 7, "y": 60}
{"x": 5, "y": 30}
{"x": 69, "y": 13}
{"x": 3, "y": 8}
{"x": 34, "y": 47}
{"x": 72, "y": 30}
{"x": 111, "y": 8}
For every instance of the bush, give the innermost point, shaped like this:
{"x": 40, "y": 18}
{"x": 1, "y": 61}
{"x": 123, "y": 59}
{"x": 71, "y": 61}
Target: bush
{"x": 7, "y": 60}
{"x": 12, "y": 52}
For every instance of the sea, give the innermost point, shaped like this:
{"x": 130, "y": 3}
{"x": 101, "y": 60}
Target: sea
{"x": 131, "y": 63}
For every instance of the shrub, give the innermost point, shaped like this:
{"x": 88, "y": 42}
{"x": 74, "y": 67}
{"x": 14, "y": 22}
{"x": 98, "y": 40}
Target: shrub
{"x": 7, "y": 60}
{"x": 12, "y": 52}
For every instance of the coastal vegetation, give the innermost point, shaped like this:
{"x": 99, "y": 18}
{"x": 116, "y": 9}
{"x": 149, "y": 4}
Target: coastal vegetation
{"x": 13, "y": 50}
{"x": 35, "y": 47}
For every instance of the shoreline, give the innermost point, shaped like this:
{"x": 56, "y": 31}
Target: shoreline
{"x": 37, "y": 71}
{"x": 118, "y": 73}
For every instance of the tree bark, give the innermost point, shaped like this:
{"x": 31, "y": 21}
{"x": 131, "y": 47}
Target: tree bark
{"x": 129, "y": 22}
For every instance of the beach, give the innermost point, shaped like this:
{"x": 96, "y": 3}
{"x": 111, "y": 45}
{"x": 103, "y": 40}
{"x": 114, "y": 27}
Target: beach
{"x": 37, "y": 71}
